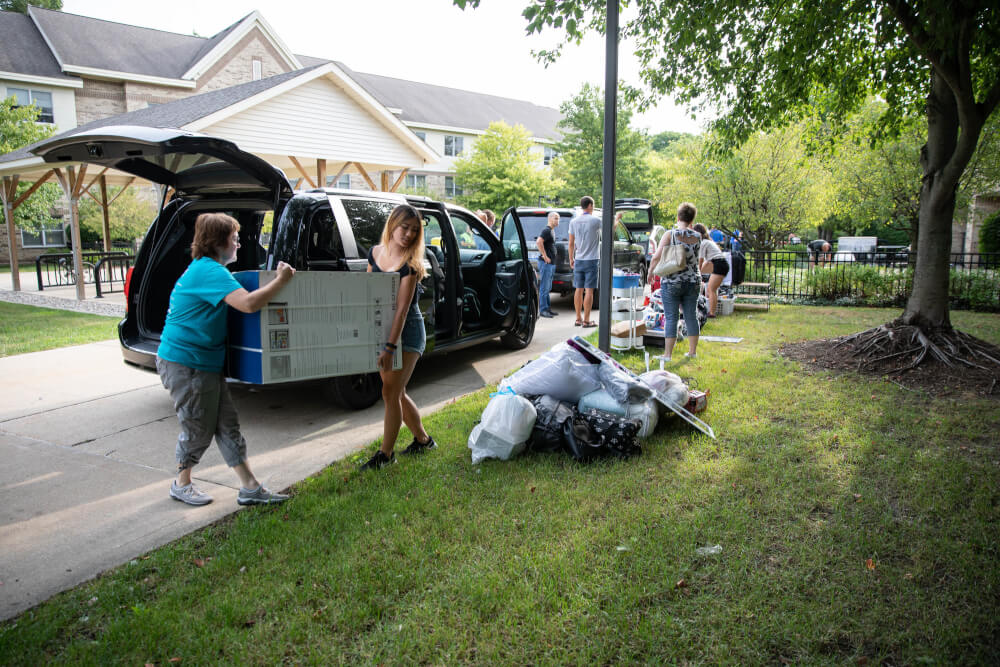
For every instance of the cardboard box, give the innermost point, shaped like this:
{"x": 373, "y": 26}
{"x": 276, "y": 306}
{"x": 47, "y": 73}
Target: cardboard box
{"x": 321, "y": 324}
{"x": 622, "y": 329}
{"x": 697, "y": 401}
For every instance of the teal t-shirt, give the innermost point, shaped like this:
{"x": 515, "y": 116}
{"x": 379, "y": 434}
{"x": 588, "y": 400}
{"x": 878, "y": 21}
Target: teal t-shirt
{"x": 195, "y": 331}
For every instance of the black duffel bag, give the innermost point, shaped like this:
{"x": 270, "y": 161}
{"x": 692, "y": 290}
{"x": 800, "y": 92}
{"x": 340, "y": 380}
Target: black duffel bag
{"x": 551, "y": 416}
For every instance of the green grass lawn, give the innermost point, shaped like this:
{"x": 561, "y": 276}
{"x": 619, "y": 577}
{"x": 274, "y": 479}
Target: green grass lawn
{"x": 31, "y": 329}
{"x": 858, "y": 523}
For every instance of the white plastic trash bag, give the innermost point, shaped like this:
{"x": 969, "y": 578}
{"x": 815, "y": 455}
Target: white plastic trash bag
{"x": 645, "y": 412}
{"x": 670, "y": 387}
{"x": 562, "y": 373}
{"x": 503, "y": 432}
{"x": 660, "y": 380}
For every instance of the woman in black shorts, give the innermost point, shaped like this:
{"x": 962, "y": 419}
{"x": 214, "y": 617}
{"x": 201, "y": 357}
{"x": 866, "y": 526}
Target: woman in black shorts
{"x": 401, "y": 251}
{"x": 713, "y": 261}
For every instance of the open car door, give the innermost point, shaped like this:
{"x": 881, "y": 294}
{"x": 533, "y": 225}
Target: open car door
{"x": 516, "y": 296}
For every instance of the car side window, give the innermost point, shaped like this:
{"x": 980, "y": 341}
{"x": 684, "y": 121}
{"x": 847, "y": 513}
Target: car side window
{"x": 324, "y": 238}
{"x": 367, "y": 220}
{"x": 620, "y": 233}
{"x": 510, "y": 240}
{"x": 469, "y": 237}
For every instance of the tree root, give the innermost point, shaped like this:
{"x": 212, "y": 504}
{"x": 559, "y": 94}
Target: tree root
{"x": 912, "y": 346}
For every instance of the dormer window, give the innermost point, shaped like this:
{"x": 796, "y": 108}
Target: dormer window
{"x": 41, "y": 99}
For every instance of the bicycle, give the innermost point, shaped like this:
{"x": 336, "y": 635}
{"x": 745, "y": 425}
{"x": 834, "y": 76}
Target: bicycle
{"x": 67, "y": 274}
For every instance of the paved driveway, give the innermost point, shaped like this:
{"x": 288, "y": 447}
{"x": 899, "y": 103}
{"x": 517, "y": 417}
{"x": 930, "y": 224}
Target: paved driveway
{"x": 87, "y": 450}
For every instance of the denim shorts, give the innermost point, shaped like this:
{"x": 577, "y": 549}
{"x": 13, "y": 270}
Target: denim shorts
{"x": 414, "y": 338}
{"x": 585, "y": 273}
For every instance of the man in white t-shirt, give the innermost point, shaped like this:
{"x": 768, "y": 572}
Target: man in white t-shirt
{"x": 584, "y": 252}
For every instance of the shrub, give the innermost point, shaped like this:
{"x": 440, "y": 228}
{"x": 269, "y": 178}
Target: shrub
{"x": 989, "y": 234}
{"x": 975, "y": 290}
{"x": 869, "y": 285}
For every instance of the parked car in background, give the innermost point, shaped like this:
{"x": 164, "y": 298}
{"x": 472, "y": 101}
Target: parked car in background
{"x": 637, "y": 216}
{"x": 478, "y": 288}
{"x": 627, "y": 255}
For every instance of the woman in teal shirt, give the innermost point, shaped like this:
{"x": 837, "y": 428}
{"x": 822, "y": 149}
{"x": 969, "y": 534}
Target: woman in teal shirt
{"x": 191, "y": 353}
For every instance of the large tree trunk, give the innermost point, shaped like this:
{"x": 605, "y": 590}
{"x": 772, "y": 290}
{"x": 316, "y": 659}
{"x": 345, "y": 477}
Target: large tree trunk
{"x": 927, "y": 306}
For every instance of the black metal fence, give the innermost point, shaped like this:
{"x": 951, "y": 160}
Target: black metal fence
{"x": 102, "y": 269}
{"x": 877, "y": 279}
{"x": 110, "y": 274}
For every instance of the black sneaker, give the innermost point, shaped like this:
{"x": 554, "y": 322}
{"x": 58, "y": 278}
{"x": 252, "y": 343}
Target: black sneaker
{"x": 420, "y": 447}
{"x": 379, "y": 460}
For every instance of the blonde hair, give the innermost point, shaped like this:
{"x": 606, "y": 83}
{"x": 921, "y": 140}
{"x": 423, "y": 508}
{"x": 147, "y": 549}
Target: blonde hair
{"x": 212, "y": 231}
{"x": 415, "y": 253}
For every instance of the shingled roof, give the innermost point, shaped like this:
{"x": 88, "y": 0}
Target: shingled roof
{"x": 438, "y": 105}
{"x": 175, "y": 114}
{"x": 24, "y": 50}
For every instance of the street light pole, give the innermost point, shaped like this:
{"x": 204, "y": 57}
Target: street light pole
{"x": 608, "y": 194}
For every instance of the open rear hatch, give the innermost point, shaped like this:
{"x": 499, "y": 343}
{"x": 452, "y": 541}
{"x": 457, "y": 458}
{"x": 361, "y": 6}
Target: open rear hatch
{"x": 206, "y": 174}
{"x": 190, "y": 163}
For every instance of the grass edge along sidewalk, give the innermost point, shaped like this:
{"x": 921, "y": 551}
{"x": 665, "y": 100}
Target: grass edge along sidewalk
{"x": 857, "y": 520}
{"x": 28, "y": 328}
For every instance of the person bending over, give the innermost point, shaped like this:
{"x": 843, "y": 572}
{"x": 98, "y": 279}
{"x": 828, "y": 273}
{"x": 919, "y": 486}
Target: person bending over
{"x": 712, "y": 261}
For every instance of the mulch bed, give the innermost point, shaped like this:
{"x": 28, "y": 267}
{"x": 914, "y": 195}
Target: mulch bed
{"x": 933, "y": 378}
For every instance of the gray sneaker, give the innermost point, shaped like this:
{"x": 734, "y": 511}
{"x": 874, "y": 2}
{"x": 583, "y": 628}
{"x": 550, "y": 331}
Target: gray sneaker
{"x": 260, "y": 496}
{"x": 189, "y": 494}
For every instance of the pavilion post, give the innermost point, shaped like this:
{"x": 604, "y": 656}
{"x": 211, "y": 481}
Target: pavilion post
{"x": 104, "y": 212}
{"x": 9, "y": 192}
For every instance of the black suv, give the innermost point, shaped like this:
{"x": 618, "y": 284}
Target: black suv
{"x": 627, "y": 255}
{"x": 479, "y": 287}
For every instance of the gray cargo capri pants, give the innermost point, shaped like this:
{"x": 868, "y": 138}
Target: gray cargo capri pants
{"x": 204, "y": 409}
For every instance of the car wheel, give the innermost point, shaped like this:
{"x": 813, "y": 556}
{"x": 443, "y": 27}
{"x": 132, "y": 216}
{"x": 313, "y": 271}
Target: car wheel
{"x": 355, "y": 392}
{"x": 643, "y": 274}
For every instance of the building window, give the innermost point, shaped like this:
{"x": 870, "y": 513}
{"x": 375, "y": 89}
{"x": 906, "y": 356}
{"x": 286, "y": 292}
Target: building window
{"x": 450, "y": 190}
{"x": 47, "y": 237}
{"x": 416, "y": 181}
{"x": 41, "y": 99}
{"x": 549, "y": 154}
{"x": 343, "y": 182}
{"x": 452, "y": 145}
{"x": 258, "y": 69}
{"x": 422, "y": 135}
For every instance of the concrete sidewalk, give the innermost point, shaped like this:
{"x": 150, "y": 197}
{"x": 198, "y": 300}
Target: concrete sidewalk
{"x": 87, "y": 444}
{"x": 63, "y": 298}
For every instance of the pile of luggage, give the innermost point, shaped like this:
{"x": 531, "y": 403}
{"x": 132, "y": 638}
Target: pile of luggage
{"x": 653, "y": 314}
{"x": 570, "y": 401}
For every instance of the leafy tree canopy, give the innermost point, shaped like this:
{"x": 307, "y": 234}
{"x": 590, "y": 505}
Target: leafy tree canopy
{"x": 18, "y": 127}
{"x": 664, "y": 140}
{"x": 22, "y": 5}
{"x": 128, "y": 217}
{"x": 581, "y": 150}
{"x": 501, "y": 171}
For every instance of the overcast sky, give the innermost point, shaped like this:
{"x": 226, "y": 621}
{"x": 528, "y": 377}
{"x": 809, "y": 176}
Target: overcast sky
{"x": 483, "y": 50}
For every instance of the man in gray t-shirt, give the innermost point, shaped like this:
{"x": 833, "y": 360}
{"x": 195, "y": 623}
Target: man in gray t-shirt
{"x": 584, "y": 251}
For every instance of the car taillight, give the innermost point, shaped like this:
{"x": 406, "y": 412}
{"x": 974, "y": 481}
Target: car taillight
{"x": 128, "y": 283}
